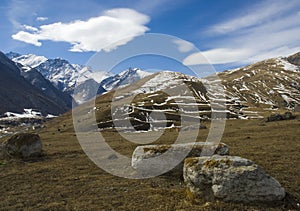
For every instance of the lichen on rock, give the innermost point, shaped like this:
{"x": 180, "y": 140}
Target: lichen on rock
{"x": 231, "y": 179}
{"x": 157, "y": 158}
{"x": 22, "y": 145}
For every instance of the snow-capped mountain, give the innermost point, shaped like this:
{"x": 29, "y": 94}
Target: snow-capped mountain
{"x": 60, "y": 72}
{"x": 65, "y": 76}
{"x": 33, "y": 76}
{"x": 124, "y": 78}
{"x": 18, "y": 93}
{"x": 30, "y": 60}
{"x": 85, "y": 90}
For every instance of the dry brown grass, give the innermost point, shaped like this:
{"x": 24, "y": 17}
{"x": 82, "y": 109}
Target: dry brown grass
{"x": 65, "y": 179}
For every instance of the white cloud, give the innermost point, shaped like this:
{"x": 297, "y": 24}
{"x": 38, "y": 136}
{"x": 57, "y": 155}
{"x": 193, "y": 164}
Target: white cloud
{"x": 114, "y": 28}
{"x": 30, "y": 28}
{"x": 28, "y": 37}
{"x": 41, "y": 18}
{"x": 270, "y": 35}
{"x": 184, "y": 46}
{"x": 216, "y": 56}
{"x": 276, "y": 52}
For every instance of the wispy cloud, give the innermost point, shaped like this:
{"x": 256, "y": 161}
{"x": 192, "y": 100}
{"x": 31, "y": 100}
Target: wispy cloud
{"x": 269, "y": 29}
{"x": 17, "y": 9}
{"x": 156, "y": 7}
{"x": 114, "y": 28}
{"x": 258, "y": 14}
{"x": 217, "y": 56}
{"x": 183, "y": 46}
{"x": 41, "y": 18}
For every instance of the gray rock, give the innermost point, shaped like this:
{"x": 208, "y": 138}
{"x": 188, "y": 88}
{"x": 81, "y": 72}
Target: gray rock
{"x": 277, "y": 117}
{"x": 231, "y": 179}
{"x": 22, "y": 145}
{"x": 274, "y": 117}
{"x": 163, "y": 158}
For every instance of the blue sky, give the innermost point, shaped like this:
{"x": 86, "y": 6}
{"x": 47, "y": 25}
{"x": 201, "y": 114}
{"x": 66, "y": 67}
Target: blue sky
{"x": 228, "y": 33}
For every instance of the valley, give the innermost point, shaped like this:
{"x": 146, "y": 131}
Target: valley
{"x": 137, "y": 105}
{"x": 65, "y": 178}
{"x": 150, "y": 105}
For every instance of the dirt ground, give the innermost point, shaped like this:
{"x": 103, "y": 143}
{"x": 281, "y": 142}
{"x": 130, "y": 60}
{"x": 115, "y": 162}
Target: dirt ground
{"x": 66, "y": 179}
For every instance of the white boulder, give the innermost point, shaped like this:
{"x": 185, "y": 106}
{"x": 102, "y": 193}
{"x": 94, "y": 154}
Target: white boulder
{"x": 231, "y": 179}
{"x": 157, "y": 159}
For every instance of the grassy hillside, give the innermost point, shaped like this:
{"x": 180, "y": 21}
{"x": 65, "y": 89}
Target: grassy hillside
{"x": 65, "y": 179}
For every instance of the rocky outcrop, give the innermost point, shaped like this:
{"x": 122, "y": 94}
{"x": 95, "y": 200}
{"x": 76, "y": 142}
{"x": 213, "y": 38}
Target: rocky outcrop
{"x": 277, "y": 117}
{"x": 155, "y": 158}
{"x": 294, "y": 59}
{"x": 22, "y": 145}
{"x": 231, "y": 179}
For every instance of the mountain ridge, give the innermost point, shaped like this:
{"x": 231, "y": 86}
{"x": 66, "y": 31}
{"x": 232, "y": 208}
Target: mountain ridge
{"x": 253, "y": 91}
{"x": 16, "y": 93}
{"x": 66, "y": 76}
{"x": 263, "y": 86}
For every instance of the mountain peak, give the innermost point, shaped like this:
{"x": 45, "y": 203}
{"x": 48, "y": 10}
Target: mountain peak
{"x": 126, "y": 77}
{"x": 30, "y": 60}
{"x": 58, "y": 62}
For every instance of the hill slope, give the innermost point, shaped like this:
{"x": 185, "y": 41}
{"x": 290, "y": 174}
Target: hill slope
{"x": 159, "y": 100}
{"x": 66, "y": 169}
{"x": 268, "y": 85}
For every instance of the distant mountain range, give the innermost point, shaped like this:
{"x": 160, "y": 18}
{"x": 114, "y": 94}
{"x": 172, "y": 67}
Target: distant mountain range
{"x": 266, "y": 85}
{"x": 64, "y": 75}
{"x": 59, "y": 72}
{"x": 56, "y": 78}
{"x": 22, "y": 88}
{"x": 124, "y": 78}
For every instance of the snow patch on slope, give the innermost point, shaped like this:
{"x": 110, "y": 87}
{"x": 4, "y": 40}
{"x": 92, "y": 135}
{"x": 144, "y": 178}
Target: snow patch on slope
{"x": 287, "y": 65}
{"x": 28, "y": 113}
{"x": 30, "y": 60}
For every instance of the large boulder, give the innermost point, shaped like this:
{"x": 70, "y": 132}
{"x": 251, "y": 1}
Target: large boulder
{"x": 231, "y": 179}
{"x": 22, "y": 145}
{"x": 162, "y": 158}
